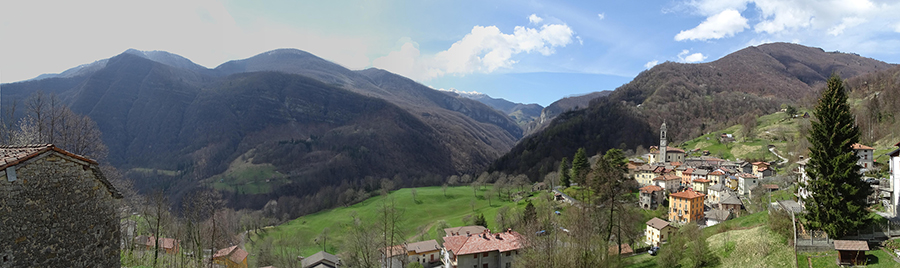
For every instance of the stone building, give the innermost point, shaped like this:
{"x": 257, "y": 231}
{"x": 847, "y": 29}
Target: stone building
{"x": 56, "y": 210}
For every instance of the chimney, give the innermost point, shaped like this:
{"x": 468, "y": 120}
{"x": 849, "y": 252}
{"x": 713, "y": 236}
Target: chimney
{"x": 468, "y": 234}
{"x": 497, "y": 235}
{"x": 509, "y": 230}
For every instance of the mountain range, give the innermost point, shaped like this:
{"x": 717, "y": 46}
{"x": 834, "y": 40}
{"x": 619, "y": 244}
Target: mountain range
{"x": 691, "y": 98}
{"x": 316, "y": 123}
{"x": 298, "y": 123}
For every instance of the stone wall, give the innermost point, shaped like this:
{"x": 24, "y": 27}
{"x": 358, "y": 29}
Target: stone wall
{"x": 57, "y": 213}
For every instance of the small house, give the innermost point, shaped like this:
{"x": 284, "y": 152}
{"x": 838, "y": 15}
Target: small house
{"x": 321, "y": 259}
{"x": 851, "y": 252}
{"x": 658, "y": 231}
{"x": 231, "y": 257}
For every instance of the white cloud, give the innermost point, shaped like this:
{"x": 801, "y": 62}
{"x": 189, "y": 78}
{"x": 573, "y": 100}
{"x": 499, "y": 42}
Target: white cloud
{"x": 534, "y": 19}
{"x": 601, "y": 16}
{"x": 685, "y": 56}
{"x": 650, "y": 64}
{"x": 724, "y": 24}
{"x": 845, "y": 23}
{"x": 897, "y": 27}
{"x": 483, "y": 50}
{"x": 402, "y": 61}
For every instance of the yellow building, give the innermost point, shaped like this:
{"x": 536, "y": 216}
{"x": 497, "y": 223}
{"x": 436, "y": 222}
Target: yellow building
{"x": 658, "y": 231}
{"x": 686, "y": 206}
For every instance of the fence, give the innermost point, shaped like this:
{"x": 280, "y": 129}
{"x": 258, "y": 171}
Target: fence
{"x": 816, "y": 240}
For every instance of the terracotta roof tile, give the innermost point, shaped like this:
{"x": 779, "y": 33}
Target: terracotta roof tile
{"x": 667, "y": 177}
{"x": 485, "y": 242}
{"x": 650, "y": 188}
{"x": 234, "y": 253}
{"x": 702, "y": 180}
{"x": 717, "y": 172}
{"x": 857, "y": 146}
{"x": 687, "y": 194}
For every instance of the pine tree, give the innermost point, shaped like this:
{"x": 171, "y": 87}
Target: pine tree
{"x": 580, "y": 166}
{"x": 838, "y": 201}
{"x": 564, "y": 177}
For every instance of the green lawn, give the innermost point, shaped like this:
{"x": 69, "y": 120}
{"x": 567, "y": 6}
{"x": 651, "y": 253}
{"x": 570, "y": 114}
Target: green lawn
{"x": 755, "y": 247}
{"x": 876, "y": 258}
{"x": 772, "y": 129}
{"x": 743, "y": 222}
{"x": 432, "y": 206}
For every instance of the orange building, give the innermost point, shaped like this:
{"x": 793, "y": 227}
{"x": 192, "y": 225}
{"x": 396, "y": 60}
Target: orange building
{"x": 686, "y": 206}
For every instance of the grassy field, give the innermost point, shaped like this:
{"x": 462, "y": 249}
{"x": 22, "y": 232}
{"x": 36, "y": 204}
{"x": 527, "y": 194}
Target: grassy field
{"x": 755, "y": 247}
{"x": 744, "y": 230}
{"x": 772, "y": 129}
{"x": 430, "y": 206}
{"x": 875, "y": 258}
{"x": 244, "y": 176}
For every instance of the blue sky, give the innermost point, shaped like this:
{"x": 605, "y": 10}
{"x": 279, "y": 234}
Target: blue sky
{"x": 523, "y": 51}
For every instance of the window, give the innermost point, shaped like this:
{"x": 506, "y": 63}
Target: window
{"x": 484, "y": 254}
{"x": 507, "y": 265}
{"x": 475, "y": 256}
{"x": 508, "y": 252}
{"x": 485, "y": 265}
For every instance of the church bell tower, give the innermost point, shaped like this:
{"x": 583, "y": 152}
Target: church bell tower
{"x": 662, "y": 143}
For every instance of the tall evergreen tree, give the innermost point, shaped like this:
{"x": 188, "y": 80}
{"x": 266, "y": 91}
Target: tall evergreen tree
{"x": 564, "y": 177}
{"x": 580, "y": 166}
{"x": 837, "y": 204}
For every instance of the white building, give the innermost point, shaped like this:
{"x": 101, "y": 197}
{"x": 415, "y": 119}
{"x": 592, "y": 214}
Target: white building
{"x": 895, "y": 181}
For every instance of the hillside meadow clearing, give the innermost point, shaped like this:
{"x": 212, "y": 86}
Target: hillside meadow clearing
{"x": 299, "y": 236}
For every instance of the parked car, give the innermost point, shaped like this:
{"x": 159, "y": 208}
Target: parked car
{"x": 653, "y": 251}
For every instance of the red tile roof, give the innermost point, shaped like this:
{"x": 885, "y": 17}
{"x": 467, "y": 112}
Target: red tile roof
{"x": 673, "y": 149}
{"x": 166, "y": 243}
{"x": 857, "y": 146}
{"x": 626, "y": 249}
{"x": 454, "y": 243}
{"x": 717, "y": 172}
{"x": 701, "y": 180}
{"x": 234, "y": 253}
{"x": 650, "y": 189}
{"x": 394, "y": 250}
{"x": 687, "y": 194}
{"x": 667, "y": 177}
{"x": 484, "y": 242}
{"x": 688, "y": 171}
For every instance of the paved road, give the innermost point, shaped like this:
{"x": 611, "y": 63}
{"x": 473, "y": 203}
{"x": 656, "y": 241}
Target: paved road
{"x": 783, "y": 160}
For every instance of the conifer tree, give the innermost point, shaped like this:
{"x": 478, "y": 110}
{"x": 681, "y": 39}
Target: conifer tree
{"x": 580, "y": 166}
{"x": 837, "y": 204}
{"x": 564, "y": 177}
